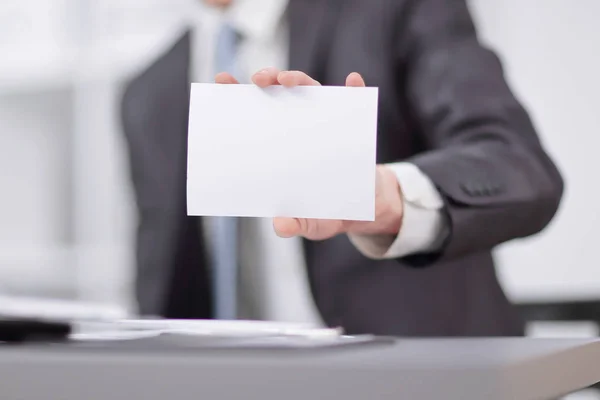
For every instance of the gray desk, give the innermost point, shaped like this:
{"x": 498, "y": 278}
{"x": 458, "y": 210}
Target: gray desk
{"x": 405, "y": 369}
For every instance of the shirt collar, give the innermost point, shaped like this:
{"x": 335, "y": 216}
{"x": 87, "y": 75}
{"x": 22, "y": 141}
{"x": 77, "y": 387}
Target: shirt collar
{"x": 256, "y": 19}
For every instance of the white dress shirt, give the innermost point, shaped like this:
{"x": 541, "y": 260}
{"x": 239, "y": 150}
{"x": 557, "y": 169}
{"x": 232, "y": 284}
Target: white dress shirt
{"x": 273, "y": 281}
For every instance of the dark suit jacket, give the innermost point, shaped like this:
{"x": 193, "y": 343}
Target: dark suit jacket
{"x": 444, "y": 106}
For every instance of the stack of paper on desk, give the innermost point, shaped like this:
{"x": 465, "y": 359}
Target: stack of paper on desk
{"x": 135, "y": 329}
{"x": 194, "y": 335}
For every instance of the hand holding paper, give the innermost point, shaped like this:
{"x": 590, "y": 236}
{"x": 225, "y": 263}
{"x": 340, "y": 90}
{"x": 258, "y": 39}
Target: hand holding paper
{"x": 315, "y": 166}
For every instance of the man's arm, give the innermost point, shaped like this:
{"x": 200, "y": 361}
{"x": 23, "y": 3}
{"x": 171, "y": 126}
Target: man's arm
{"x": 424, "y": 226}
{"x": 486, "y": 159}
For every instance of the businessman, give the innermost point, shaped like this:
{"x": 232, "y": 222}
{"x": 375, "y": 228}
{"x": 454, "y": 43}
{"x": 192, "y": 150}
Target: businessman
{"x": 460, "y": 170}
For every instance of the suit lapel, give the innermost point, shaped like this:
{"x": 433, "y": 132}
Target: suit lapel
{"x": 312, "y": 23}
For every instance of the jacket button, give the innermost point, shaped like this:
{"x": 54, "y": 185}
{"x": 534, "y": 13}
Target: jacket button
{"x": 473, "y": 189}
{"x": 477, "y": 189}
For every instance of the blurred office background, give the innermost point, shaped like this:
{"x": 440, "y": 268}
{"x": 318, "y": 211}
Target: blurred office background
{"x": 66, "y": 212}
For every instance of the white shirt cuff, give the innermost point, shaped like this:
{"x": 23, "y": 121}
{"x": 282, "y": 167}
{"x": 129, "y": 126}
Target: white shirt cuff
{"x": 424, "y": 226}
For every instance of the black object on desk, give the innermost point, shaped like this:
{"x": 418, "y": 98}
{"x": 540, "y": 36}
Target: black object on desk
{"x": 18, "y": 330}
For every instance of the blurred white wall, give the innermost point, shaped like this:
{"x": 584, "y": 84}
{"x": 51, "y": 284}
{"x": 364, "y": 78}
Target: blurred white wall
{"x": 35, "y": 228}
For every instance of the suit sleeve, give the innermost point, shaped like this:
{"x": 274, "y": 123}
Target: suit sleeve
{"x": 483, "y": 153}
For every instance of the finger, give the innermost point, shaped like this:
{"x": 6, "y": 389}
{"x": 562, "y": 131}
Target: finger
{"x": 225, "y": 78}
{"x": 287, "y": 227}
{"x": 313, "y": 229}
{"x": 355, "y": 80}
{"x": 266, "y": 77}
{"x": 296, "y": 78}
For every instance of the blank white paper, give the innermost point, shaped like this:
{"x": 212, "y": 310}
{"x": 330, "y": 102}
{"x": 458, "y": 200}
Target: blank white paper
{"x": 305, "y": 152}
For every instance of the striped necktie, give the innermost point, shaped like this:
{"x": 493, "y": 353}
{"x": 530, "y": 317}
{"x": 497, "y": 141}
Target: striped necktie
{"x": 225, "y": 234}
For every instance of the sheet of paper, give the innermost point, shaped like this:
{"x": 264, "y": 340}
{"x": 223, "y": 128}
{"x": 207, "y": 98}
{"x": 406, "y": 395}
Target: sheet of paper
{"x": 306, "y": 152}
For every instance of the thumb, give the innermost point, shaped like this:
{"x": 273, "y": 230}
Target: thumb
{"x": 355, "y": 80}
